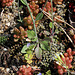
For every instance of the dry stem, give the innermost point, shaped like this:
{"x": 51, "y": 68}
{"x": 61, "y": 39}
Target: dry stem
{"x": 57, "y": 19}
{"x": 49, "y": 16}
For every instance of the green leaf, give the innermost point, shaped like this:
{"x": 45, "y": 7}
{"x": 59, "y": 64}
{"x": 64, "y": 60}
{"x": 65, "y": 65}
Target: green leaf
{"x": 28, "y": 56}
{"x": 48, "y": 72}
{"x": 38, "y": 52}
{"x": 20, "y": 20}
{"x": 30, "y": 33}
{"x": 44, "y": 45}
{"x": 24, "y": 49}
{"x": 27, "y": 48}
{"x": 39, "y": 16}
{"x": 23, "y": 2}
{"x": 42, "y": 73}
{"x": 29, "y": 52}
{"x": 34, "y": 39}
{"x": 21, "y": 7}
{"x": 50, "y": 24}
{"x": 31, "y": 46}
{"x": 50, "y": 12}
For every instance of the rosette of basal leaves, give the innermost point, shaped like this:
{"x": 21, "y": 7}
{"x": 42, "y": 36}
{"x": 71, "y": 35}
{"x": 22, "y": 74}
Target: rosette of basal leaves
{"x": 36, "y": 46}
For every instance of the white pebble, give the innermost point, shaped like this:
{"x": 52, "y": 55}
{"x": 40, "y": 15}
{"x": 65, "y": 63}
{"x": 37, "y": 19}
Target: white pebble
{"x": 7, "y": 69}
{"x": 5, "y": 49}
{"x": 8, "y": 24}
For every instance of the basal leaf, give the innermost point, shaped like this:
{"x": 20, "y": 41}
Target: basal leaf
{"x": 34, "y": 39}
{"x": 30, "y": 33}
{"x": 44, "y": 45}
{"x": 31, "y": 46}
{"x": 39, "y": 16}
{"x": 29, "y": 52}
{"x": 24, "y": 49}
{"x": 27, "y": 48}
{"x": 38, "y": 52}
{"x": 26, "y": 55}
{"x": 27, "y": 58}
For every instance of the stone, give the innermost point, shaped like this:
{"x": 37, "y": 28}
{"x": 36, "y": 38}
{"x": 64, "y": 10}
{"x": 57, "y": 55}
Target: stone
{"x": 7, "y": 69}
{"x": 8, "y": 24}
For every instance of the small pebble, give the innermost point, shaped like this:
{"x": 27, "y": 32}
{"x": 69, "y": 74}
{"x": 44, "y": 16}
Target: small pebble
{"x": 5, "y": 49}
{"x": 7, "y": 69}
{"x": 8, "y": 24}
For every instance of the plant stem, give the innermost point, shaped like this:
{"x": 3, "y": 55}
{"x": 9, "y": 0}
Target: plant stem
{"x": 18, "y": 11}
{"x": 45, "y": 4}
{"x": 68, "y": 72}
{"x": 52, "y": 16}
{"x": 32, "y": 18}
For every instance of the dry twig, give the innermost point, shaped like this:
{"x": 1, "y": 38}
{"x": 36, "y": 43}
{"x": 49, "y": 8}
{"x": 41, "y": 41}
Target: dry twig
{"x": 49, "y": 16}
{"x": 57, "y": 19}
